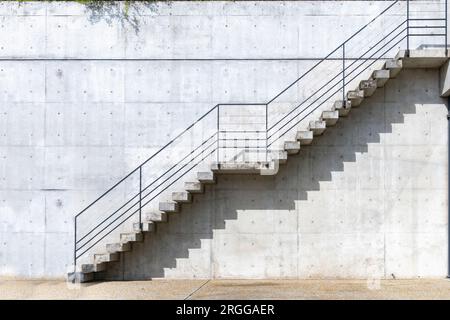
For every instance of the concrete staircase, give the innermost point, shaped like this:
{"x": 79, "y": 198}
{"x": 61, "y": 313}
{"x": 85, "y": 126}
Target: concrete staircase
{"x": 328, "y": 118}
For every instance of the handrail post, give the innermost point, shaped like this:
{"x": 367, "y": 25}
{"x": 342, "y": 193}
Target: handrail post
{"x": 75, "y": 245}
{"x": 343, "y": 73}
{"x": 140, "y": 197}
{"x": 267, "y": 126}
{"x": 407, "y": 28}
{"x": 446, "y": 23}
{"x": 218, "y": 133}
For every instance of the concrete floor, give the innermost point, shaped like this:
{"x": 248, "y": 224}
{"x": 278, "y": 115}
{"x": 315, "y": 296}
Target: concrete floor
{"x": 229, "y": 289}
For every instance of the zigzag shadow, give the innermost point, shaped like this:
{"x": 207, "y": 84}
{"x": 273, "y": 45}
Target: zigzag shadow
{"x": 223, "y": 205}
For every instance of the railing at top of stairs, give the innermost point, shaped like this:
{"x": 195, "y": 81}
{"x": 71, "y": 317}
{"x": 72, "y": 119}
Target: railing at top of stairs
{"x": 216, "y": 136}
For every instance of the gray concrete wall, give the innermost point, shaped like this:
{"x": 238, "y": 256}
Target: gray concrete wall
{"x": 84, "y": 102}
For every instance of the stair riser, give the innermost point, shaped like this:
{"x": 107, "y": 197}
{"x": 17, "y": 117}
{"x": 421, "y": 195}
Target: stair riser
{"x": 103, "y": 258}
{"x": 330, "y": 122}
{"x": 79, "y": 277}
{"x": 394, "y": 67}
{"x": 344, "y": 112}
{"x": 144, "y": 227}
{"x": 292, "y": 147}
{"x": 155, "y": 217}
{"x": 369, "y": 87}
{"x": 355, "y": 97}
{"x": 317, "y": 127}
{"x": 381, "y": 77}
{"x": 330, "y": 117}
{"x": 342, "y": 107}
{"x": 194, "y": 187}
{"x": 131, "y": 238}
{"x": 280, "y": 156}
{"x": 89, "y": 268}
{"x": 168, "y": 207}
{"x": 117, "y": 247}
{"x": 305, "y": 137}
{"x": 182, "y": 197}
{"x": 206, "y": 177}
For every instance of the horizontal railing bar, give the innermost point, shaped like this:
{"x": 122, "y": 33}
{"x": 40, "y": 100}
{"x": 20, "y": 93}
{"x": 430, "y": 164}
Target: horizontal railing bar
{"x": 243, "y": 104}
{"x": 242, "y": 131}
{"x": 426, "y": 27}
{"x": 241, "y": 139}
{"x": 425, "y": 19}
{"x": 237, "y": 147}
{"x": 428, "y": 35}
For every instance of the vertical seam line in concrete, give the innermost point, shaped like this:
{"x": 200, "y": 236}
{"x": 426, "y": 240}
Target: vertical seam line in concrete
{"x": 196, "y": 290}
{"x": 384, "y": 181}
{"x": 46, "y": 30}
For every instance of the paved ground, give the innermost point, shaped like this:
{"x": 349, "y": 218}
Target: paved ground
{"x": 229, "y": 289}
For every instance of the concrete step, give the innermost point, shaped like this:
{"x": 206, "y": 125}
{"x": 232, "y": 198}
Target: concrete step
{"x": 182, "y": 197}
{"x": 169, "y": 207}
{"x": 131, "y": 237}
{"x": 330, "y": 117}
{"x": 422, "y": 58}
{"x": 92, "y": 267}
{"x": 394, "y": 66}
{"x": 368, "y": 86}
{"x": 106, "y": 257}
{"x": 155, "y": 216}
{"x": 146, "y": 226}
{"x": 80, "y": 277}
{"x": 194, "y": 187}
{"x": 356, "y": 97}
{"x": 343, "y": 107}
{"x": 239, "y": 167}
{"x": 317, "y": 127}
{"x": 305, "y": 137}
{"x": 118, "y": 247}
{"x": 206, "y": 177}
{"x": 279, "y": 155}
{"x": 381, "y": 77}
{"x": 292, "y": 147}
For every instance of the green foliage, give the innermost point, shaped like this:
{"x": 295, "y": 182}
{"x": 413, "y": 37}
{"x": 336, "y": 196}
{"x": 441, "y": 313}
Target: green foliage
{"x": 126, "y": 12}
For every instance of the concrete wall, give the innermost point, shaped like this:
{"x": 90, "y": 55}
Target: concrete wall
{"x": 84, "y": 102}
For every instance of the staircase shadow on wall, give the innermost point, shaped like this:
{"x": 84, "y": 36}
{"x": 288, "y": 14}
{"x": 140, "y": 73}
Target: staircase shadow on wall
{"x": 220, "y": 204}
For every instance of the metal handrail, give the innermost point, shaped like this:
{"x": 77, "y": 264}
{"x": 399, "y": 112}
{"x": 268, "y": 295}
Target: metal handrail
{"x": 290, "y": 117}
